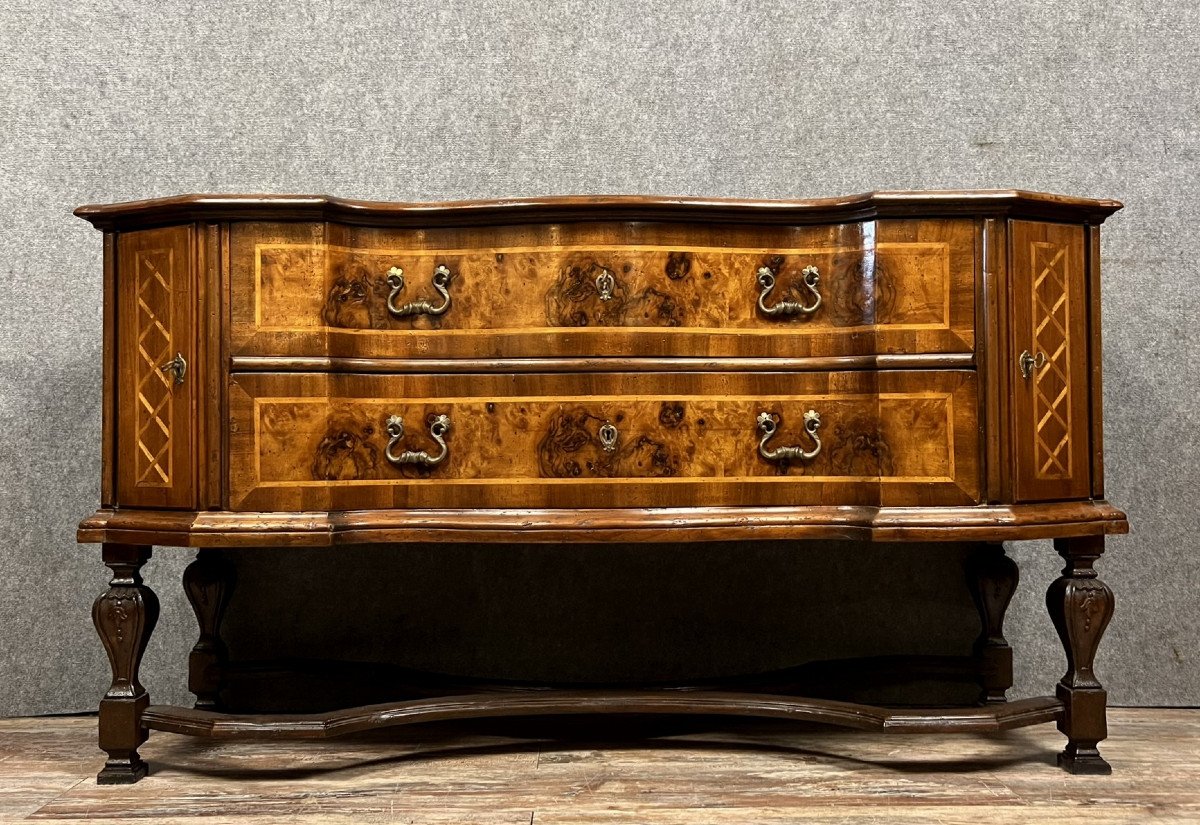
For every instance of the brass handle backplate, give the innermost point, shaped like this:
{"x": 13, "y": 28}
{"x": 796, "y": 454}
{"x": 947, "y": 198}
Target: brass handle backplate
{"x": 1030, "y": 363}
{"x": 437, "y": 429}
{"x": 177, "y": 366}
{"x": 441, "y": 282}
{"x": 784, "y": 309}
{"x": 768, "y": 424}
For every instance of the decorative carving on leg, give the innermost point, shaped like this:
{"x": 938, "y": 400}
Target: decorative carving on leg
{"x": 208, "y": 582}
{"x": 993, "y": 578}
{"x": 1080, "y": 606}
{"x": 124, "y": 616}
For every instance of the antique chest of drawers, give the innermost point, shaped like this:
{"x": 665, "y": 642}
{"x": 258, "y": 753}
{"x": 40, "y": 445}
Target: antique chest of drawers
{"x": 897, "y": 366}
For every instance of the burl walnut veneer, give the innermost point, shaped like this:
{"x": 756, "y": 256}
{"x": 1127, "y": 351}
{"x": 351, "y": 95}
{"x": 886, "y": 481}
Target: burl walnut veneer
{"x": 312, "y": 371}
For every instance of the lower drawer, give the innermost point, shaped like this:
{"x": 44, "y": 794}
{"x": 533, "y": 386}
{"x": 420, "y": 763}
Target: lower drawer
{"x": 305, "y": 441}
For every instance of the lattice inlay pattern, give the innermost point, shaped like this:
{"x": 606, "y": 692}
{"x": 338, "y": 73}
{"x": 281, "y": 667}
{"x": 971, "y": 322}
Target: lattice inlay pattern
{"x": 155, "y": 400}
{"x": 1052, "y": 383}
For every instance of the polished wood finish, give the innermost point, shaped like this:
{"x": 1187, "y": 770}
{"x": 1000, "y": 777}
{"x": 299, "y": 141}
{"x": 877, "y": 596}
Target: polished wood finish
{"x": 658, "y": 524}
{"x": 108, "y": 403}
{"x": 1081, "y": 606}
{"x": 156, "y": 321}
{"x": 208, "y": 582}
{"x": 1004, "y": 203}
{"x": 124, "y": 616}
{"x": 211, "y": 366}
{"x": 603, "y": 363}
{"x": 1050, "y": 407}
{"x": 450, "y": 366}
{"x": 1095, "y": 361}
{"x": 308, "y": 290}
{"x": 994, "y": 365}
{"x": 993, "y": 580}
{"x": 303, "y": 442}
{"x": 991, "y": 719}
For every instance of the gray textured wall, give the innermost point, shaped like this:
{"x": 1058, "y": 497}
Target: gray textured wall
{"x": 432, "y": 100}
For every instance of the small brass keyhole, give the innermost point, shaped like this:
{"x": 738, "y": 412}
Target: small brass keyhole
{"x": 608, "y": 437}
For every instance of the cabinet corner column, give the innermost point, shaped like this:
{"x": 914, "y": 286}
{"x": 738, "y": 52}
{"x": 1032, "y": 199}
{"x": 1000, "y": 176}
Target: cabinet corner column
{"x": 124, "y": 616}
{"x": 1081, "y": 606}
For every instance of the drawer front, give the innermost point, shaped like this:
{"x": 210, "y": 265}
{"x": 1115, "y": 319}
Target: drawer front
{"x": 331, "y": 441}
{"x": 603, "y": 289}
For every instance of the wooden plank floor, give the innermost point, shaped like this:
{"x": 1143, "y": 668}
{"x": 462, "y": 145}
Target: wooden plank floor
{"x": 666, "y": 771}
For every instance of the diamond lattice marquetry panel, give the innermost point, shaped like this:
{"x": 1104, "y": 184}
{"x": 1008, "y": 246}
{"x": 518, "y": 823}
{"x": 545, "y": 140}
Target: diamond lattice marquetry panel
{"x": 1052, "y": 383}
{"x": 154, "y": 397}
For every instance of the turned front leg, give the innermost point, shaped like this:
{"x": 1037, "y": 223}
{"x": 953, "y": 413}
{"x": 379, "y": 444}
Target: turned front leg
{"x": 124, "y": 616}
{"x": 1081, "y": 606}
{"x": 208, "y": 582}
{"x": 993, "y": 577}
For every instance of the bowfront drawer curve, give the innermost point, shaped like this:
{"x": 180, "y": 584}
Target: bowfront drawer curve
{"x": 308, "y": 441}
{"x": 603, "y": 289}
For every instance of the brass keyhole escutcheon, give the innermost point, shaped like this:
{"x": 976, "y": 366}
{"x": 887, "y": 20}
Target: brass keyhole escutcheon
{"x": 608, "y": 436}
{"x": 605, "y": 284}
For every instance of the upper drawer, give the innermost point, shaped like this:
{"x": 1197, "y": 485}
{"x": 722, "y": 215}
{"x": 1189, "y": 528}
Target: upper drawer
{"x": 603, "y": 289}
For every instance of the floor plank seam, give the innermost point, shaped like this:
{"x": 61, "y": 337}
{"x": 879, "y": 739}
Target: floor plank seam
{"x": 56, "y": 798}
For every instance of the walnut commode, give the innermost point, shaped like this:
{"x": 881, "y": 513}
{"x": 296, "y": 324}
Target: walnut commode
{"x": 298, "y": 371}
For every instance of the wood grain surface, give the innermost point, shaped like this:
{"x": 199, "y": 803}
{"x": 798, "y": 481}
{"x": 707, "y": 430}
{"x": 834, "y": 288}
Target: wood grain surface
{"x": 155, "y": 319}
{"x": 319, "y": 441}
{"x": 537, "y": 702}
{"x": 678, "y": 289}
{"x": 207, "y": 528}
{"x": 1012, "y": 203}
{"x": 1050, "y": 321}
{"x": 721, "y": 771}
{"x": 600, "y": 369}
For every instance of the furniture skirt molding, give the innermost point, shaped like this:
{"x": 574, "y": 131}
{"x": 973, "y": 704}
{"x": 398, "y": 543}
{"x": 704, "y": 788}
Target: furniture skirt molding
{"x": 1079, "y": 604}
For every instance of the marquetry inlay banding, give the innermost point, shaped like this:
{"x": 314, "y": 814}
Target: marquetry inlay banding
{"x": 314, "y": 441}
{"x": 546, "y": 440}
{"x": 1052, "y": 383}
{"x": 154, "y": 407}
{"x": 603, "y": 289}
{"x": 521, "y": 289}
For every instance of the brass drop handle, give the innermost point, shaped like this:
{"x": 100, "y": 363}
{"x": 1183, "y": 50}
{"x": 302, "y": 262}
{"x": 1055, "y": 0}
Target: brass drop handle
{"x": 441, "y": 282}
{"x": 769, "y": 423}
{"x": 177, "y": 367}
{"x": 1030, "y": 363}
{"x": 438, "y": 430}
{"x": 785, "y": 309}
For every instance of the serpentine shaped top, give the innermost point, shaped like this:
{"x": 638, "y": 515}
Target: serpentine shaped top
{"x": 1014, "y": 203}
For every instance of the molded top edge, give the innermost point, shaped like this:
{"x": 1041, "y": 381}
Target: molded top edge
{"x": 994, "y": 202}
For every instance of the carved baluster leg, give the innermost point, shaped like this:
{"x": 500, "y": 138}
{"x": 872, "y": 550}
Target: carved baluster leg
{"x": 124, "y": 616}
{"x": 208, "y": 582}
{"x": 1081, "y": 606}
{"x": 993, "y": 577}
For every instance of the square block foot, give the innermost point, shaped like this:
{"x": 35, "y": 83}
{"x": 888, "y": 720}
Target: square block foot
{"x": 1084, "y": 762}
{"x": 122, "y": 771}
